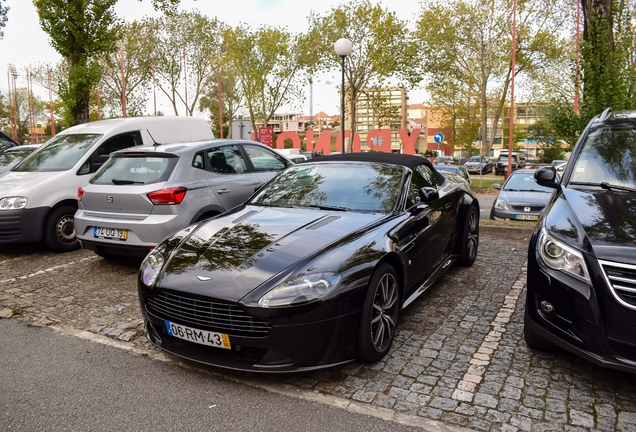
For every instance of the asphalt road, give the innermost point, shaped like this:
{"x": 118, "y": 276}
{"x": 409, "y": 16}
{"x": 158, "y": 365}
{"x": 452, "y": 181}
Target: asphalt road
{"x": 485, "y": 204}
{"x": 51, "y": 382}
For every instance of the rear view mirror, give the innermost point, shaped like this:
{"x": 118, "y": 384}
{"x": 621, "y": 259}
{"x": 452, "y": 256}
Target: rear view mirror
{"x": 428, "y": 194}
{"x": 496, "y": 186}
{"x": 546, "y": 176}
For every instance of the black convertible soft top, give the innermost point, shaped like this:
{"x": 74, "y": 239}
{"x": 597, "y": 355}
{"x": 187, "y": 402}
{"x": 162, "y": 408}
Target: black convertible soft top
{"x": 409, "y": 161}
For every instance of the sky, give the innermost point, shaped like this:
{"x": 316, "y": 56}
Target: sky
{"x": 25, "y": 43}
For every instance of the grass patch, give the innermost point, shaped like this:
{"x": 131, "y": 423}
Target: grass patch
{"x": 484, "y": 184}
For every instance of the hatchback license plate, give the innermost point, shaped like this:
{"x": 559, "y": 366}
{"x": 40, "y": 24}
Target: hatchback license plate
{"x": 110, "y": 233}
{"x": 203, "y": 337}
{"x": 527, "y": 217}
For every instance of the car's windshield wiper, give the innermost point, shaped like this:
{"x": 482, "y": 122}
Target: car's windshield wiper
{"x": 606, "y": 186}
{"x": 261, "y": 204}
{"x": 125, "y": 182}
{"x": 513, "y": 190}
{"x": 326, "y": 207}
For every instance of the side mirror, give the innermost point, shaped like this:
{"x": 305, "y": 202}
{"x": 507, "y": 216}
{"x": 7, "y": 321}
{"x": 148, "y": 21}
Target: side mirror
{"x": 496, "y": 186}
{"x": 428, "y": 194}
{"x": 546, "y": 176}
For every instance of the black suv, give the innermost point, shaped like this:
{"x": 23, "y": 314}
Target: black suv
{"x": 518, "y": 161}
{"x": 581, "y": 282}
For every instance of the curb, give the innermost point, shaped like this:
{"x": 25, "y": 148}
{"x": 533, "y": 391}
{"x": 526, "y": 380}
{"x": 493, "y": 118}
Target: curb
{"x": 272, "y": 387}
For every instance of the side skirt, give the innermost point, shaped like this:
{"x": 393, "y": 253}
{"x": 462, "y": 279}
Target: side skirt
{"x": 432, "y": 279}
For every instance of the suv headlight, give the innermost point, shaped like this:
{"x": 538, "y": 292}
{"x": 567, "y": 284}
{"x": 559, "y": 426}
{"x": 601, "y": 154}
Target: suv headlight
{"x": 150, "y": 267}
{"x": 302, "y": 289}
{"x": 12, "y": 203}
{"x": 501, "y": 204}
{"x": 559, "y": 256}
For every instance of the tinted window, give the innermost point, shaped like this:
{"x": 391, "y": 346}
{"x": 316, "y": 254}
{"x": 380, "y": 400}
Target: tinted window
{"x": 428, "y": 176}
{"x": 197, "y": 162}
{"x": 364, "y": 188}
{"x": 226, "y": 160}
{"x": 504, "y": 158}
{"x": 119, "y": 142}
{"x": 135, "y": 169}
{"x": 263, "y": 159}
{"x": 60, "y": 153}
{"x": 608, "y": 155}
{"x": 524, "y": 182}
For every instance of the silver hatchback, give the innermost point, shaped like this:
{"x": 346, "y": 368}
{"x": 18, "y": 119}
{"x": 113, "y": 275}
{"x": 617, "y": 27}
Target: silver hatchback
{"x": 142, "y": 194}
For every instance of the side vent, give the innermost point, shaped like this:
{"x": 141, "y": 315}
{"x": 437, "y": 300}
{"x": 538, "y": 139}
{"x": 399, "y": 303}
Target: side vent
{"x": 245, "y": 216}
{"x": 323, "y": 222}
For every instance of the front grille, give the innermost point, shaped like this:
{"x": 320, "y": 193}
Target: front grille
{"x": 621, "y": 279}
{"x": 533, "y": 209}
{"x": 206, "y": 314}
{"x": 623, "y": 350}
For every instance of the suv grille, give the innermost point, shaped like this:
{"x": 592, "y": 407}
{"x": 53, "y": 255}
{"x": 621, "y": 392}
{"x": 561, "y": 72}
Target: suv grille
{"x": 206, "y": 313}
{"x": 621, "y": 279}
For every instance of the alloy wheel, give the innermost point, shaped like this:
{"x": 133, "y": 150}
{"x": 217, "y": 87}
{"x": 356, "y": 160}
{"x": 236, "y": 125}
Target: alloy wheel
{"x": 385, "y": 310}
{"x": 473, "y": 236}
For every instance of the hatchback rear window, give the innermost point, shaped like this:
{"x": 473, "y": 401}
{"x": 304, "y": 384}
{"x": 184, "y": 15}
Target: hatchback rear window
{"x": 139, "y": 168}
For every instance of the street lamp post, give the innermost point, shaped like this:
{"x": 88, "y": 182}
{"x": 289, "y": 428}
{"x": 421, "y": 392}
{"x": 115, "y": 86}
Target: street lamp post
{"x": 343, "y": 49}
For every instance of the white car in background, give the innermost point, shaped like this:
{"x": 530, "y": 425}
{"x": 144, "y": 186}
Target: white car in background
{"x": 38, "y": 198}
{"x": 294, "y": 155}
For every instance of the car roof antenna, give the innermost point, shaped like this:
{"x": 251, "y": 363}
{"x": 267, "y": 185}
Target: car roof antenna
{"x": 155, "y": 143}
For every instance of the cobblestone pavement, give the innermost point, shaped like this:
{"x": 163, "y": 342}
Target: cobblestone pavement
{"x": 458, "y": 357}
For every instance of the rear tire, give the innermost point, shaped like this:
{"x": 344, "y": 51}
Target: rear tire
{"x": 533, "y": 340}
{"x": 470, "y": 239}
{"x": 59, "y": 229}
{"x": 379, "y": 315}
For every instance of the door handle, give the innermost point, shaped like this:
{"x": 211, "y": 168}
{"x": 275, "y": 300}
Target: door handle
{"x": 447, "y": 205}
{"x": 223, "y": 191}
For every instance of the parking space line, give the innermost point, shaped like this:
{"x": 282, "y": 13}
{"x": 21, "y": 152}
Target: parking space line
{"x": 48, "y": 270}
{"x": 465, "y": 389}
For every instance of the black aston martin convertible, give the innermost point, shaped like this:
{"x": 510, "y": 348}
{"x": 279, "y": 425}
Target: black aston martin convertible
{"x": 313, "y": 270}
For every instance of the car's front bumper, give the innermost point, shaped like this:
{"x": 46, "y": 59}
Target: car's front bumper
{"x": 22, "y": 226}
{"x": 587, "y": 321}
{"x": 290, "y": 345}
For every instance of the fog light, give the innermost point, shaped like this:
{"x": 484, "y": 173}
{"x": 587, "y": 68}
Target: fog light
{"x": 547, "y": 308}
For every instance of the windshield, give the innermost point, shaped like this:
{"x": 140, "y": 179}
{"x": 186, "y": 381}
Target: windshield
{"x": 363, "y": 188}
{"x": 448, "y": 169}
{"x": 473, "y": 159}
{"x": 607, "y": 156}
{"x": 135, "y": 169}
{"x": 524, "y": 182}
{"x": 8, "y": 159}
{"x": 60, "y": 153}
{"x": 504, "y": 158}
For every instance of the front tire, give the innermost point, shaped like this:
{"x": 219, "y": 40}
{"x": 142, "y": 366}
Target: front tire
{"x": 59, "y": 229}
{"x": 470, "y": 239}
{"x": 379, "y": 315}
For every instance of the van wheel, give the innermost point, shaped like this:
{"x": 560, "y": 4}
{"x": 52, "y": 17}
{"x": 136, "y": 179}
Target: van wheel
{"x": 59, "y": 229}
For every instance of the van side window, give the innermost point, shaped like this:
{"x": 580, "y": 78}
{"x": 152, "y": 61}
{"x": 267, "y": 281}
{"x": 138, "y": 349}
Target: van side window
{"x": 112, "y": 144}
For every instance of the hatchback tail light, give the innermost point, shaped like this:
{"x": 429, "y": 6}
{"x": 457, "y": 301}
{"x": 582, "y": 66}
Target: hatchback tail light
{"x": 80, "y": 194}
{"x": 168, "y": 196}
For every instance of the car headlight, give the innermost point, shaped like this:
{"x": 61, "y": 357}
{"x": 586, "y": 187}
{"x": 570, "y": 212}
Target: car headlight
{"x": 501, "y": 205}
{"x": 560, "y": 256}
{"x": 12, "y": 203}
{"x": 302, "y": 289}
{"x": 150, "y": 267}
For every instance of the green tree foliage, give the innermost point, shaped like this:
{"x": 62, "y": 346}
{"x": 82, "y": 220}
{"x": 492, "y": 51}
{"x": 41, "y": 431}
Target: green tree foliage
{"x": 136, "y": 55}
{"x": 185, "y": 45}
{"x": 267, "y": 64}
{"x": 543, "y": 133}
{"x": 4, "y": 11}
{"x": 81, "y": 31}
{"x": 383, "y": 48}
{"x": 467, "y": 45}
{"x": 231, "y": 99}
{"x": 23, "y": 116}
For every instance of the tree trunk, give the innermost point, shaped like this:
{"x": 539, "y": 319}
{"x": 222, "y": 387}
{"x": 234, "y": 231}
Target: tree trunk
{"x": 484, "y": 119}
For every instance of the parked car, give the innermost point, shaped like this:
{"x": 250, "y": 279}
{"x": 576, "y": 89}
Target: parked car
{"x": 143, "y": 194}
{"x": 581, "y": 287}
{"x": 6, "y": 141}
{"x": 38, "y": 198}
{"x": 313, "y": 270}
{"x": 294, "y": 155}
{"x": 557, "y": 162}
{"x": 443, "y": 160}
{"x": 455, "y": 169}
{"x": 501, "y": 166}
{"x": 476, "y": 164}
{"x": 12, "y": 156}
{"x": 520, "y": 198}
{"x": 311, "y": 154}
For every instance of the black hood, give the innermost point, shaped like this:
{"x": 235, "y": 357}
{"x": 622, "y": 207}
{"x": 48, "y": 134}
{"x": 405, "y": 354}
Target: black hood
{"x": 600, "y": 220}
{"x": 240, "y": 251}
